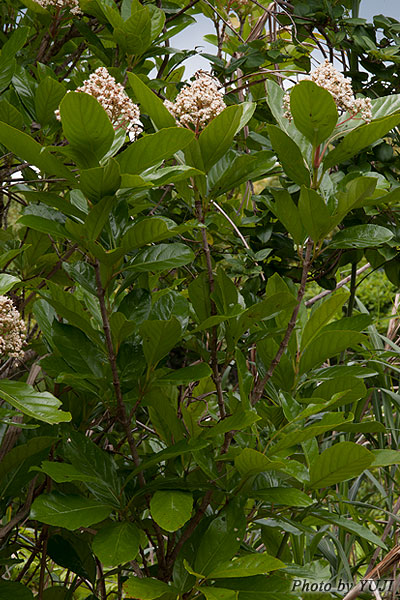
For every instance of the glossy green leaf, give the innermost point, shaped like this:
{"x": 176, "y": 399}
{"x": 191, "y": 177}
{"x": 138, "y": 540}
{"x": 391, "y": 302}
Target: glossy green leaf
{"x": 171, "y": 509}
{"x": 361, "y": 236}
{"x": 86, "y": 126}
{"x": 328, "y": 344}
{"x": 385, "y": 457}
{"x": 98, "y": 217}
{"x": 314, "y": 111}
{"x": 314, "y": 214}
{"x": 146, "y": 231}
{"x": 339, "y": 462}
{"x": 7, "y": 68}
{"x": 16, "y": 457}
{"x": 162, "y": 257}
{"x": 70, "y": 551}
{"x": 289, "y": 155}
{"x": 62, "y": 472}
{"x": 150, "y": 103}
{"x": 288, "y": 213}
{"x": 353, "y": 527}
{"x": 134, "y": 34}
{"x": 250, "y": 462}
{"x": 11, "y": 115}
{"x": 187, "y": 374}
{"x": 240, "y": 420}
{"x": 14, "y": 590}
{"x": 321, "y": 315}
{"x": 42, "y": 406}
{"x": 146, "y": 588}
{"x": 152, "y": 149}
{"x": 101, "y": 181}
{"x": 246, "y": 566}
{"x": 70, "y": 512}
{"x": 221, "y": 540}
{"x": 49, "y": 94}
{"x": 217, "y": 137}
{"x": 282, "y": 496}
{"x": 360, "y": 138}
{"x": 159, "y": 337}
{"x": 116, "y": 543}
{"x": 25, "y": 147}
{"x": 213, "y": 593}
{"x": 7, "y": 282}
{"x": 230, "y": 171}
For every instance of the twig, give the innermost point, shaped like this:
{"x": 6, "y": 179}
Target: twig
{"x": 259, "y": 387}
{"x": 390, "y": 560}
{"x": 339, "y": 285}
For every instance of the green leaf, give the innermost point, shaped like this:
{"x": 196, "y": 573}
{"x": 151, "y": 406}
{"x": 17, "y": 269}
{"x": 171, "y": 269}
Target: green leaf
{"x": 25, "y": 147}
{"x": 16, "y": 457}
{"x": 134, "y": 34}
{"x": 356, "y": 192}
{"x": 152, "y": 149}
{"x": 339, "y": 462}
{"x": 162, "y": 257}
{"x": 186, "y": 375}
{"x": 48, "y": 96}
{"x": 246, "y": 566}
{"x": 146, "y": 588}
{"x": 314, "y": 214}
{"x": 212, "y": 593}
{"x": 151, "y": 103}
{"x": 146, "y": 231}
{"x": 361, "y": 236}
{"x": 250, "y": 462}
{"x": 86, "y": 126}
{"x": 7, "y": 282}
{"x": 314, "y": 111}
{"x": 221, "y": 540}
{"x": 321, "y": 315}
{"x": 72, "y": 552}
{"x": 240, "y": 420}
{"x": 62, "y": 472}
{"x": 171, "y": 509}
{"x": 42, "y": 406}
{"x": 288, "y": 213}
{"x": 159, "y": 337}
{"x": 282, "y": 496}
{"x": 7, "y": 68}
{"x": 384, "y": 458}
{"x": 351, "y": 526}
{"x": 101, "y": 181}
{"x": 289, "y": 155}
{"x": 328, "y": 344}
{"x": 360, "y": 138}
{"x": 116, "y": 544}
{"x": 11, "y": 115}
{"x": 98, "y": 216}
{"x": 69, "y": 511}
{"x": 230, "y": 171}
{"x": 14, "y": 590}
{"x": 217, "y": 137}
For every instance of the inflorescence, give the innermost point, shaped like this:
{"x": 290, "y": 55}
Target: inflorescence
{"x": 197, "y": 104}
{"x": 71, "y": 5}
{"x": 339, "y": 86}
{"x": 112, "y": 97}
{"x": 12, "y": 329}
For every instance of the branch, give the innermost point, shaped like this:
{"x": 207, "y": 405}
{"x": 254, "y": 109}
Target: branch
{"x": 339, "y": 285}
{"x": 260, "y": 385}
{"x": 390, "y": 560}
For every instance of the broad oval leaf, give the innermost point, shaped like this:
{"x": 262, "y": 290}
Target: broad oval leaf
{"x": 361, "y": 236}
{"x": 162, "y": 257}
{"x": 338, "y": 463}
{"x": 314, "y": 111}
{"x": 250, "y": 462}
{"x": 151, "y": 149}
{"x": 146, "y": 588}
{"x": 86, "y": 126}
{"x": 7, "y": 282}
{"x": 171, "y": 509}
{"x": 70, "y": 512}
{"x": 246, "y": 566}
{"x": 290, "y": 156}
{"x": 151, "y": 103}
{"x": 14, "y": 590}
{"x": 116, "y": 543}
{"x": 42, "y": 406}
{"x": 282, "y": 496}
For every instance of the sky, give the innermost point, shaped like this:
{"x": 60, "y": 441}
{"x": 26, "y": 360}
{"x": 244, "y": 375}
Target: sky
{"x": 192, "y": 37}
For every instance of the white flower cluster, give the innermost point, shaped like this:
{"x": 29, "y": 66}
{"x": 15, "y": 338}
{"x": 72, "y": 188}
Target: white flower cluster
{"x": 12, "y": 329}
{"x": 339, "y": 86}
{"x": 197, "y": 104}
{"x": 72, "y": 5}
{"x": 112, "y": 97}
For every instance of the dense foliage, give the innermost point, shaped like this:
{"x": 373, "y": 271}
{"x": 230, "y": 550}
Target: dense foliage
{"x": 186, "y": 419}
